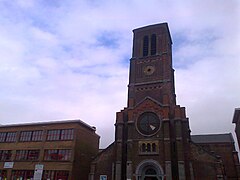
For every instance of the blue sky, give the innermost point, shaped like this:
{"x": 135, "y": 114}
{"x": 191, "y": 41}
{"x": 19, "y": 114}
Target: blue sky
{"x": 69, "y": 59}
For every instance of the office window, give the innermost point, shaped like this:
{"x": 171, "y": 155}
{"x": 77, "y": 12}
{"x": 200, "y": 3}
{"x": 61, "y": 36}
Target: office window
{"x": 53, "y": 135}
{"x": 22, "y": 174}
{"x": 60, "y": 134}
{"x": 31, "y": 136}
{"x": 11, "y": 137}
{"x": 37, "y": 136}
{"x": 21, "y": 155}
{"x": 3, "y": 174}
{"x": 5, "y": 155}
{"x": 33, "y": 154}
{"x": 66, "y": 134}
{"x": 3, "y": 136}
{"x": 57, "y": 154}
{"x": 28, "y": 155}
{"x": 25, "y": 136}
{"x": 7, "y": 136}
{"x": 49, "y": 174}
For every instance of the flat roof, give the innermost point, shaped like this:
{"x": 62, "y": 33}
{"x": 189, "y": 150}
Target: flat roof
{"x": 212, "y": 138}
{"x": 152, "y": 26}
{"x": 50, "y": 123}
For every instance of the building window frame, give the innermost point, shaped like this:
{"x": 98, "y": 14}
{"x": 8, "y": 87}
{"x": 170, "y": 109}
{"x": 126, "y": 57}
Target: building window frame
{"x": 27, "y": 136}
{"x": 148, "y": 147}
{"x": 5, "y": 155}
{"x": 60, "y": 134}
{"x": 59, "y": 174}
{"x": 57, "y": 154}
{"x": 22, "y": 174}
{"x": 145, "y": 46}
{"x": 8, "y": 137}
{"x": 27, "y": 155}
{"x": 153, "y": 44}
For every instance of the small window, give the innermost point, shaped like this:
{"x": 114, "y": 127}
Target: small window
{"x": 33, "y": 154}
{"x": 145, "y": 45}
{"x": 153, "y": 44}
{"x": 67, "y": 134}
{"x": 148, "y": 147}
{"x": 143, "y": 147}
{"x": 25, "y": 136}
{"x": 3, "y": 136}
{"x": 5, "y": 155}
{"x": 37, "y": 136}
{"x": 11, "y": 137}
{"x": 153, "y": 147}
{"x": 53, "y": 135}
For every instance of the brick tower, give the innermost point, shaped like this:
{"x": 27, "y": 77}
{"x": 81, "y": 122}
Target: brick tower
{"x": 152, "y": 133}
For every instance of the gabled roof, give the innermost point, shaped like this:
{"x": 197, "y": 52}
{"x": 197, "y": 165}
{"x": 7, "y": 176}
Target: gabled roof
{"x": 236, "y": 116}
{"x": 102, "y": 151}
{"x": 212, "y": 138}
{"x": 149, "y": 98}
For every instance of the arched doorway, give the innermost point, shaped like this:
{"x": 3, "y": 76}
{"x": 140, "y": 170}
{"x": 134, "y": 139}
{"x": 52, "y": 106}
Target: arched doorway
{"x": 149, "y": 170}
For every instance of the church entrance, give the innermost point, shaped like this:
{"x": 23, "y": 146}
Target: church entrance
{"x": 149, "y": 170}
{"x": 150, "y": 174}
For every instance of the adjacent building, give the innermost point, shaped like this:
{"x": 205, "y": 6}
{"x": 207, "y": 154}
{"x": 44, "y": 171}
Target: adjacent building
{"x": 63, "y": 149}
{"x": 236, "y": 121}
{"x": 221, "y": 146}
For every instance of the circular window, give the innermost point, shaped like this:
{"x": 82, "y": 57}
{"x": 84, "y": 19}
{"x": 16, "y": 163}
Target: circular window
{"x": 148, "y": 70}
{"x": 148, "y": 123}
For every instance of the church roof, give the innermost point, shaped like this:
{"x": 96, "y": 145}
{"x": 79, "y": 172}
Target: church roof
{"x": 212, "y": 138}
{"x": 155, "y": 26}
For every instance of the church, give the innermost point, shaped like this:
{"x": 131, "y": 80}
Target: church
{"x": 152, "y": 135}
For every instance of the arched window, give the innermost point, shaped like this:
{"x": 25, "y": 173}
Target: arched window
{"x": 153, "y": 147}
{"x": 148, "y": 147}
{"x": 145, "y": 46}
{"x": 143, "y": 147}
{"x": 153, "y": 44}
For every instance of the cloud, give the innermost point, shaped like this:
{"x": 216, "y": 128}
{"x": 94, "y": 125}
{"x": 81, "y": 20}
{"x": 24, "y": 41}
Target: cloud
{"x": 70, "y": 59}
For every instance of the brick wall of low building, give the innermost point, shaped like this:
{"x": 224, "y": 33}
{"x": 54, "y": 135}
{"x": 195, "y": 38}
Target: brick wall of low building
{"x": 83, "y": 146}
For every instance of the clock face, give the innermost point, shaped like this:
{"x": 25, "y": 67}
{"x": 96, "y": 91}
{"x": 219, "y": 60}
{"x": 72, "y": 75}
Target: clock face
{"x": 148, "y": 70}
{"x": 148, "y": 124}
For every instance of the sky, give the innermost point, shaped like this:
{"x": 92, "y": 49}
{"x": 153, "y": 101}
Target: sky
{"x": 69, "y": 59}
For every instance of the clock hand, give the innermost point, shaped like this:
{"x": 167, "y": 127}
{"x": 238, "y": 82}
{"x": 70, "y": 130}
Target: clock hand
{"x": 152, "y": 127}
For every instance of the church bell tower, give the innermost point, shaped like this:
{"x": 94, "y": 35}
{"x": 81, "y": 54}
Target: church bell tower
{"x": 152, "y": 132}
{"x": 151, "y": 72}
